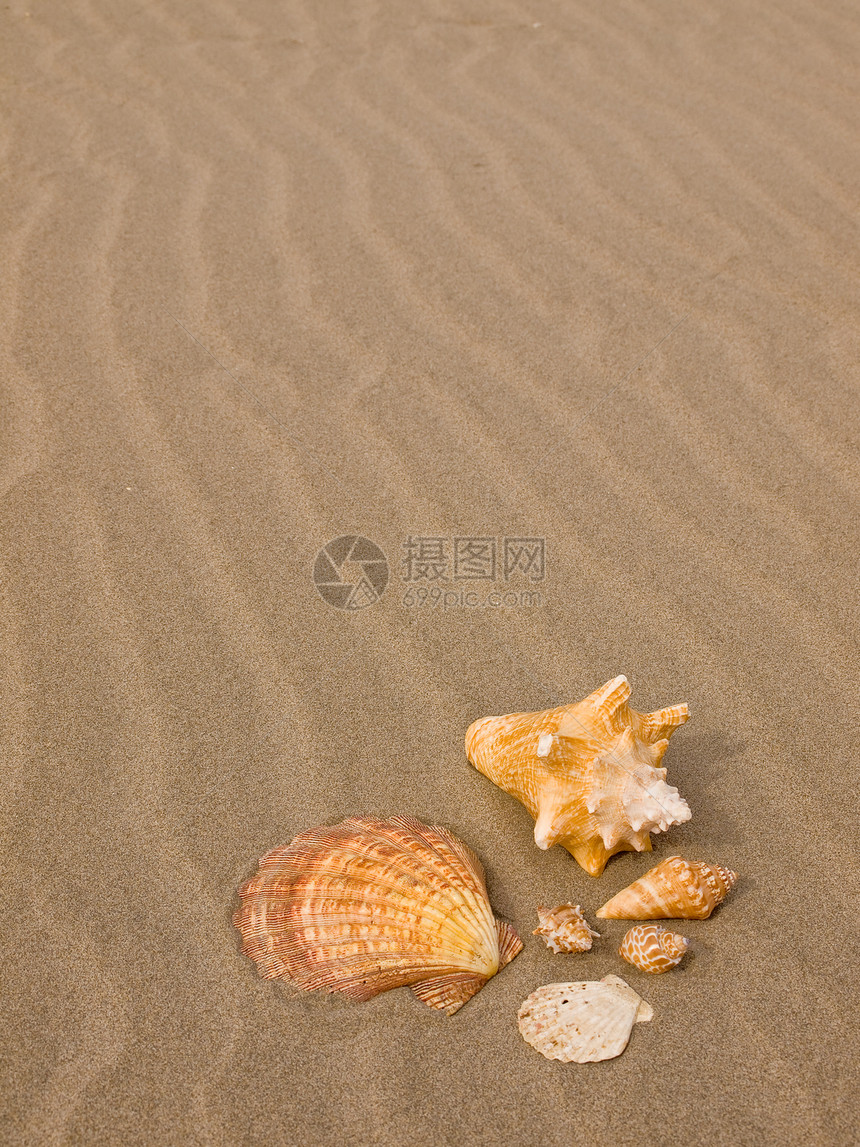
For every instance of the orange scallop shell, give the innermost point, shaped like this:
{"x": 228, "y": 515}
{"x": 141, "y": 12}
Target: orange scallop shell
{"x": 368, "y": 905}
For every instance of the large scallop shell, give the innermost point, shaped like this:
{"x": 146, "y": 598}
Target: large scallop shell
{"x": 675, "y": 888}
{"x": 582, "y": 1022}
{"x": 653, "y": 949}
{"x": 368, "y": 905}
{"x": 565, "y": 929}
{"x": 588, "y": 773}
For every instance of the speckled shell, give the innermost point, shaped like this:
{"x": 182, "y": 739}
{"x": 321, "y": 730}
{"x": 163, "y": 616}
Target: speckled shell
{"x": 588, "y": 773}
{"x": 368, "y": 905}
{"x": 652, "y": 949}
{"x": 582, "y": 1022}
{"x": 565, "y": 929}
{"x": 674, "y": 889}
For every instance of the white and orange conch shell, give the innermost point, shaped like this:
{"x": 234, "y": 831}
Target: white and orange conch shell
{"x": 582, "y": 1022}
{"x": 588, "y": 773}
{"x": 651, "y": 948}
{"x": 674, "y": 889}
{"x": 368, "y": 905}
{"x": 565, "y": 929}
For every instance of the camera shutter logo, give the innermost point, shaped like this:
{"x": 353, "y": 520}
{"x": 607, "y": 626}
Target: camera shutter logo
{"x": 351, "y": 572}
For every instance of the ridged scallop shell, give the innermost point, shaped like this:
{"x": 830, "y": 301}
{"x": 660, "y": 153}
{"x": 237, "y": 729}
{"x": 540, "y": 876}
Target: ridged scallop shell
{"x": 588, "y": 773}
{"x": 674, "y": 889}
{"x": 368, "y": 905}
{"x": 565, "y": 929}
{"x": 653, "y": 949}
{"x": 582, "y": 1022}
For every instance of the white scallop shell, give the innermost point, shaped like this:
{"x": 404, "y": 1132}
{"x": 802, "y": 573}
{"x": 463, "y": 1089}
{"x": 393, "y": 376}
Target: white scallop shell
{"x": 582, "y": 1022}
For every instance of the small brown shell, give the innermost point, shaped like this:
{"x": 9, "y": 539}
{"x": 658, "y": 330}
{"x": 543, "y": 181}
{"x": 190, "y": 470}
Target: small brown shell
{"x": 565, "y": 929}
{"x": 674, "y": 889}
{"x": 651, "y": 948}
{"x": 368, "y": 905}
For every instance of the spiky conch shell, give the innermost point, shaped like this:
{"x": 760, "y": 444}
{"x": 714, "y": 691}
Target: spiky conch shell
{"x": 582, "y": 1022}
{"x": 588, "y": 773}
{"x": 674, "y": 889}
{"x": 653, "y": 949}
{"x": 368, "y": 905}
{"x": 565, "y": 929}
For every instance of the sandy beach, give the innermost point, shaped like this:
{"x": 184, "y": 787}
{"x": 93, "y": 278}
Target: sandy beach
{"x": 556, "y": 304}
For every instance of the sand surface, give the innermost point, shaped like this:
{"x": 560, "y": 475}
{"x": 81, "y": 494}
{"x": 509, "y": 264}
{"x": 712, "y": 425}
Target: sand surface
{"x": 275, "y": 272}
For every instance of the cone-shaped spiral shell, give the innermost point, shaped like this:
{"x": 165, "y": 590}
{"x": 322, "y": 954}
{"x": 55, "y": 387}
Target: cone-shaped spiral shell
{"x": 675, "y": 888}
{"x": 652, "y": 949}
{"x": 582, "y": 1022}
{"x": 368, "y": 905}
{"x": 588, "y": 773}
{"x": 565, "y": 929}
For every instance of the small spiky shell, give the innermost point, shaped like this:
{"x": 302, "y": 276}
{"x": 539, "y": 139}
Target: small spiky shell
{"x": 674, "y": 889}
{"x": 368, "y": 905}
{"x": 588, "y": 773}
{"x": 582, "y": 1022}
{"x": 565, "y": 929}
{"x": 652, "y": 949}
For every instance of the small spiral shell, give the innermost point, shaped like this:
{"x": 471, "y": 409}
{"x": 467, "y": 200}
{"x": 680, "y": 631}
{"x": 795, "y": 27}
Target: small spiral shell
{"x": 565, "y": 929}
{"x": 651, "y": 948}
{"x": 673, "y": 889}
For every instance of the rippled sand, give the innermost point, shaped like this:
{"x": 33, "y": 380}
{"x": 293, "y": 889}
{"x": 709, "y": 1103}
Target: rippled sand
{"x": 279, "y": 272}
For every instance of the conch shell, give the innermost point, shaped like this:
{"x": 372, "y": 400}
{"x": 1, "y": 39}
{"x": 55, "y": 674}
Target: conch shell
{"x": 652, "y": 949}
{"x": 564, "y": 929}
{"x": 588, "y": 773}
{"x": 675, "y": 888}
{"x": 368, "y": 905}
{"x": 582, "y": 1022}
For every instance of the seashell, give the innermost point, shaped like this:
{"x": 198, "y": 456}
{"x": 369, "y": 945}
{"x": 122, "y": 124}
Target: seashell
{"x": 588, "y": 773}
{"x": 683, "y": 889}
{"x": 565, "y": 929}
{"x": 652, "y": 948}
{"x": 368, "y": 905}
{"x": 582, "y": 1022}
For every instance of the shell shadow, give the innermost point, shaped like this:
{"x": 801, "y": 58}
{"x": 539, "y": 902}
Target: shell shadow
{"x": 699, "y": 767}
{"x": 702, "y": 758}
{"x": 745, "y": 886}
